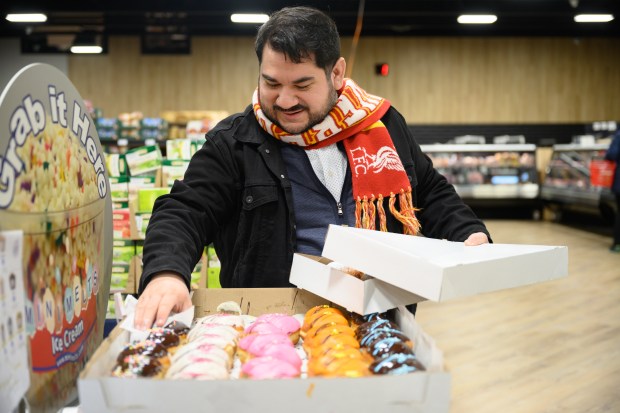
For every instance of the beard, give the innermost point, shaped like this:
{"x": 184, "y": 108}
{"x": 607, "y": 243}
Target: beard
{"x": 314, "y": 117}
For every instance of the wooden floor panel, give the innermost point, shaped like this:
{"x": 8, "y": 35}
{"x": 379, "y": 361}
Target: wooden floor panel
{"x": 549, "y": 347}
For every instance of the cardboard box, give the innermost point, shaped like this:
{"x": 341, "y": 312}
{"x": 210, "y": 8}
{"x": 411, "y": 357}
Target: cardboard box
{"x": 363, "y": 297}
{"x": 427, "y": 391}
{"x": 440, "y": 270}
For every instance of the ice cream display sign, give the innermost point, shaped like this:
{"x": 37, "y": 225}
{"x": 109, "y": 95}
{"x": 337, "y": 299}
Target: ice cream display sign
{"x": 54, "y": 187}
{"x": 30, "y": 119}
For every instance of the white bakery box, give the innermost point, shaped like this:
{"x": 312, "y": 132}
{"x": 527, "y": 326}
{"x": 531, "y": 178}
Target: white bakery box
{"x": 424, "y": 391}
{"x": 405, "y": 269}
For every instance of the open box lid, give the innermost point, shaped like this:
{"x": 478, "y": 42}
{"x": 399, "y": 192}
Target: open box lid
{"x": 439, "y": 270}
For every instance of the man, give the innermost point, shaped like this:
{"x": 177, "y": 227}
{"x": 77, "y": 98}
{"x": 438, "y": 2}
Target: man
{"x": 313, "y": 149}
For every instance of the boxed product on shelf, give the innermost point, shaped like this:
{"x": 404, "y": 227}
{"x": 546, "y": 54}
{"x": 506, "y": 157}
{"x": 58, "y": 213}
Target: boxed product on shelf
{"x": 121, "y": 223}
{"x": 146, "y": 134}
{"x": 120, "y": 280}
{"x": 148, "y": 196}
{"x": 107, "y": 128}
{"x": 435, "y": 269}
{"x": 143, "y": 160}
{"x": 197, "y": 128}
{"x": 197, "y": 144}
{"x": 141, "y": 182}
{"x": 178, "y": 121}
{"x": 141, "y": 220}
{"x": 153, "y": 128}
{"x": 129, "y": 133}
{"x": 106, "y": 123}
{"x": 116, "y": 163}
{"x": 422, "y": 391}
{"x": 123, "y": 251}
{"x": 171, "y": 170}
{"x": 130, "y": 119}
{"x": 119, "y": 205}
{"x": 119, "y": 188}
{"x": 154, "y": 123}
{"x": 178, "y": 149}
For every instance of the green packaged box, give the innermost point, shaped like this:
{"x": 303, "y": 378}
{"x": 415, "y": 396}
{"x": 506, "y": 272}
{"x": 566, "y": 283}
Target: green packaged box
{"x": 147, "y": 197}
{"x": 173, "y": 169}
{"x": 120, "y": 277}
{"x": 123, "y": 251}
{"x": 119, "y": 188}
{"x": 116, "y": 163}
{"x": 143, "y": 159}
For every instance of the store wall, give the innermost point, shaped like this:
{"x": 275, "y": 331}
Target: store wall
{"x": 431, "y": 80}
{"x": 12, "y": 60}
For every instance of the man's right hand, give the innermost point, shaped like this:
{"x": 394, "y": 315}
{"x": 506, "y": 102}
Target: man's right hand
{"x": 166, "y": 292}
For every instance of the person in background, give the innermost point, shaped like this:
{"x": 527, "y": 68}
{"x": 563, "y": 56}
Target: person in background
{"x": 313, "y": 148}
{"x": 613, "y": 154}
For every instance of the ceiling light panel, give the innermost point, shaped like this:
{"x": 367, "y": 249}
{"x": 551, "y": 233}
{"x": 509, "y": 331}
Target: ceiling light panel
{"x": 594, "y": 18}
{"x": 26, "y": 17}
{"x": 477, "y": 18}
{"x": 248, "y": 18}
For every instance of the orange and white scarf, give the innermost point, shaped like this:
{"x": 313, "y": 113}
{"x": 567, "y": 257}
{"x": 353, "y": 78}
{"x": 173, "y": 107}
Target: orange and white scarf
{"x": 376, "y": 168}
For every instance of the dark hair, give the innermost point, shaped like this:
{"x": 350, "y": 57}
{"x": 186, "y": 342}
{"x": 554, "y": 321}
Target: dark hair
{"x": 300, "y": 33}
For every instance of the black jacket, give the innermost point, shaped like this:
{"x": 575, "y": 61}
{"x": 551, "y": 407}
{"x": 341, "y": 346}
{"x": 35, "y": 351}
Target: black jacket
{"x": 236, "y": 195}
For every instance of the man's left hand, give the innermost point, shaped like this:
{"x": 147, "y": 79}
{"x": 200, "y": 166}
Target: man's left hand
{"x": 477, "y": 238}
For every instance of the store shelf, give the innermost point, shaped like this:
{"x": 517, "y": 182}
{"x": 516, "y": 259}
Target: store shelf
{"x": 488, "y": 171}
{"x": 567, "y": 183}
{"x": 525, "y": 191}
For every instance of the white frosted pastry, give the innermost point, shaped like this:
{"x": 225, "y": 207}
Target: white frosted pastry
{"x": 226, "y": 332}
{"x": 222, "y": 319}
{"x": 203, "y": 371}
{"x": 189, "y": 359}
{"x": 197, "y": 348}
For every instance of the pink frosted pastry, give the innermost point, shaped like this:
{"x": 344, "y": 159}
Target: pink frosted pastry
{"x": 284, "y": 322}
{"x": 281, "y": 352}
{"x": 255, "y": 344}
{"x": 268, "y": 368}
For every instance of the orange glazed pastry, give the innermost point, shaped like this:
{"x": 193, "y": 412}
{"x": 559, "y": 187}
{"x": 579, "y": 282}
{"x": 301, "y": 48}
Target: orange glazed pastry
{"x": 314, "y": 313}
{"x": 333, "y": 343}
{"x": 326, "y": 319}
{"x": 323, "y": 334}
{"x": 322, "y": 364}
{"x": 348, "y": 367}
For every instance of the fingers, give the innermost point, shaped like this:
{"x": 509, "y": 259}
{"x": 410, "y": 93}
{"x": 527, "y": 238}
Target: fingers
{"x": 164, "y": 294}
{"x": 166, "y": 305}
{"x": 477, "y": 238}
{"x": 146, "y": 310}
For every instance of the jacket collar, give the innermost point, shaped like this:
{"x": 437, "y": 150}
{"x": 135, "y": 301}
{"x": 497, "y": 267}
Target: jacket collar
{"x": 248, "y": 130}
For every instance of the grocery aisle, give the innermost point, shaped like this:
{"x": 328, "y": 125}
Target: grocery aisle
{"x": 549, "y": 347}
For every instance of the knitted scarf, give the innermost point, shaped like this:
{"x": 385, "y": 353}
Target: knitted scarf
{"x": 376, "y": 168}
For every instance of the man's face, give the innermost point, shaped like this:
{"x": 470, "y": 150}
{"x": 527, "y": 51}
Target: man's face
{"x": 295, "y": 96}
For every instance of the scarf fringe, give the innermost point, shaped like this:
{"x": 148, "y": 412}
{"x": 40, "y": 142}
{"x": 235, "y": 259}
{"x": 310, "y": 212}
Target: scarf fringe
{"x": 366, "y": 211}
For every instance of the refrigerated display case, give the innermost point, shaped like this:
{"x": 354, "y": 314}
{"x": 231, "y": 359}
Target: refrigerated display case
{"x": 488, "y": 172}
{"x": 568, "y": 182}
